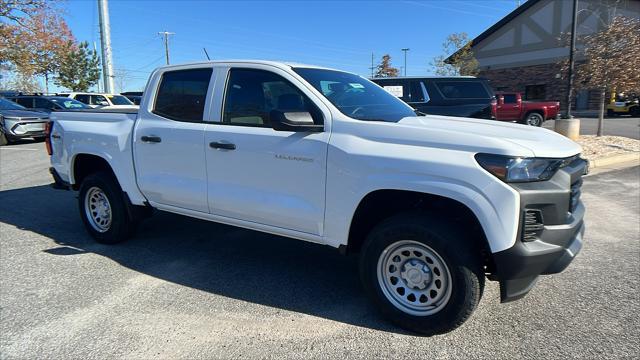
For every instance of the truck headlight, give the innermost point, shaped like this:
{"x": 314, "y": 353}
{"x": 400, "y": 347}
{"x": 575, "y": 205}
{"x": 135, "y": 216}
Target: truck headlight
{"x": 519, "y": 169}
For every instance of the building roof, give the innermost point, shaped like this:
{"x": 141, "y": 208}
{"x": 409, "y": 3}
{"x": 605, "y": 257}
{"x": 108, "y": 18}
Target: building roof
{"x": 512, "y": 15}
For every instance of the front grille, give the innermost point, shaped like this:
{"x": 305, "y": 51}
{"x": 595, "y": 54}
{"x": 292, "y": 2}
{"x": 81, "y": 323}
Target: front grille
{"x": 533, "y": 225}
{"x": 575, "y": 195}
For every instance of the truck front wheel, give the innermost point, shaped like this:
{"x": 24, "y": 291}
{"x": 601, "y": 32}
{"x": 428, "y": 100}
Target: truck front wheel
{"x": 104, "y": 210}
{"x": 422, "y": 274}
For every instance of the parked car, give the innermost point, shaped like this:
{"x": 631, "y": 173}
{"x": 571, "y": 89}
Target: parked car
{"x": 465, "y": 96}
{"x": 134, "y": 96}
{"x": 48, "y": 103}
{"x": 624, "y": 104}
{"x": 432, "y": 204}
{"x": 17, "y": 122}
{"x": 511, "y": 107}
{"x": 95, "y": 100}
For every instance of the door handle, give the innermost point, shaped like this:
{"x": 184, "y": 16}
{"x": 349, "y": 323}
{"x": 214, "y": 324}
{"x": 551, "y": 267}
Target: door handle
{"x": 151, "y": 139}
{"x": 226, "y": 146}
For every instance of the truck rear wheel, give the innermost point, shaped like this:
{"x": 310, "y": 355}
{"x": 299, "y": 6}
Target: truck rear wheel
{"x": 423, "y": 275}
{"x": 534, "y": 119}
{"x": 104, "y": 210}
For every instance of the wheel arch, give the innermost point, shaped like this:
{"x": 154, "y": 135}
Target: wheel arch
{"x": 541, "y": 112}
{"x": 84, "y": 164}
{"x": 380, "y": 204}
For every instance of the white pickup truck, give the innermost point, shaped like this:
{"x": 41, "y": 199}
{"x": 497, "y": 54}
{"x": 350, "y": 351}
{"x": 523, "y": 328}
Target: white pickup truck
{"x": 433, "y": 205}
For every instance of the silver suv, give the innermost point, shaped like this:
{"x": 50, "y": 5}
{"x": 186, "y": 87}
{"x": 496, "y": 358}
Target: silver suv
{"x": 17, "y": 122}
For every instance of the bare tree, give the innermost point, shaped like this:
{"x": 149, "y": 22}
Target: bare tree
{"x": 121, "y": 78}
{"x": 457, "y": 59}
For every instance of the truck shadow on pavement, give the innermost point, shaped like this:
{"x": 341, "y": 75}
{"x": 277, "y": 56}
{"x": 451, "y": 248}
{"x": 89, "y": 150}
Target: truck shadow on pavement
{"x": 219, "y": 259}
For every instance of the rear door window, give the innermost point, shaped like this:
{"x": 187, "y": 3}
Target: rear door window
{"x": 463, "y": 90}
{"x": 83, "y": 98}
{"x": 510, "y": 99}
{"x": 26, "y": 102}
{"x": 43, "y": 104}
{"x": 182, "y": 94}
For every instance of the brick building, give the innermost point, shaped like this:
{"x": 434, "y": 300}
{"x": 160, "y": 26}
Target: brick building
{"x": 521, "y": 52}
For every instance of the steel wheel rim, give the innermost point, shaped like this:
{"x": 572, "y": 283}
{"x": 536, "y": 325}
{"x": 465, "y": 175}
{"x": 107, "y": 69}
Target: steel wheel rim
{"x": 420, "y": 272}
{"x": 535, "y": 120}
{"x": 98, "y": 209}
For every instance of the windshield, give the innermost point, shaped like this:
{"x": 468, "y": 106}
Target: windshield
{"x": 119, "y": 100}
{"x": 69, "y": 103}
{"x": 355, "y": 96}
{"x": 10, "y": 105}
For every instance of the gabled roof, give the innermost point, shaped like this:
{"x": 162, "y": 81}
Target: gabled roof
{"x": 495, "y": 27}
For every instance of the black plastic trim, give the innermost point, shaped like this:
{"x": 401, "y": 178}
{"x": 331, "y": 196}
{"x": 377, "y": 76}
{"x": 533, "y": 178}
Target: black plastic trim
{"x": 555, "y": 245}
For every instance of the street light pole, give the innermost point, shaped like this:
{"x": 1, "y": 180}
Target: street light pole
{"x": 166, "y": 43}
{"x": 572, "y": 50}
{"x": 405, "y": 60}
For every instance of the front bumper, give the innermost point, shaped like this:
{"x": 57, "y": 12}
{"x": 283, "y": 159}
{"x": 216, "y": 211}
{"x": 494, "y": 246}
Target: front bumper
{"x": 550, "y": 233}
{"x": 18, "y": 128}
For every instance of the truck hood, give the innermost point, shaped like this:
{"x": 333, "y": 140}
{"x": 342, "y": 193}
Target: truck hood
{"x": 502, "y": 138}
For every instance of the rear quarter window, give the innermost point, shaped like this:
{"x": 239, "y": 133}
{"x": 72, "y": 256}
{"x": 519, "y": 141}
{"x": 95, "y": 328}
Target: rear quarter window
{"x": 462, "y": 90}
{"x": 182, "y": 94}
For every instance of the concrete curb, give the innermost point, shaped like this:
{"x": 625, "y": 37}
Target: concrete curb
{"x": 614, "y": 159}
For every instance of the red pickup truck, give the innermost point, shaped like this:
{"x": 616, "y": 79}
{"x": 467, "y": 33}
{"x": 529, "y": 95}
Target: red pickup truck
{"x": 511, "y": 107}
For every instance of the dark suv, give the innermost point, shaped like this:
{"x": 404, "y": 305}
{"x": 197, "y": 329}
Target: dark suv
{"x": 48, "y": 104}
{"x": 464, "y": 96}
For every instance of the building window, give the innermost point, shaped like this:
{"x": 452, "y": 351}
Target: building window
{"x": 535, "y": 92}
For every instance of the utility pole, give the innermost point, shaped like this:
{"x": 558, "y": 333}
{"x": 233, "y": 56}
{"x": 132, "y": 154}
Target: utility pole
{"x": 372, "y": 66}
{"x": 405, "y": 60}
{"x": 572, "y": 50}
{"x": 105, "y": 44}
{"x": 166, "y": 43}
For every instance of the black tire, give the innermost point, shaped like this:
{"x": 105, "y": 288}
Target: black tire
{"x": 534, "y": 119}
{"x": 3, "y": 139}
{"x": 461, "y": 257}
{"x": 635, "y": 111}
{"x": 121, "y": 225}
{"x": 611, "y": 113}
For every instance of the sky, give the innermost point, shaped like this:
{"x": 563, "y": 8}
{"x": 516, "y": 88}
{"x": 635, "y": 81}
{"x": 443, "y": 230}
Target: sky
{"x": 337, "y": 34}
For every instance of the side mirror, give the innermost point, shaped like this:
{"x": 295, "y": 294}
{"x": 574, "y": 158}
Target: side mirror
{"x": 103, "y": 103}
{"x": 500, "y": 100}
{"x": 293, "y": 121}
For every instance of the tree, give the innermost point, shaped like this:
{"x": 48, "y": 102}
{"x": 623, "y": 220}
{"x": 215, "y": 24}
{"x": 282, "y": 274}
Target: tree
{"x": 79, "y": 68}
{"x": 48, "y": 36}
{"x": 384, "y": 69}
{"x": 610, "y": 60}
{"x": 33, "y": 37}
{"x": 458, "y": 58}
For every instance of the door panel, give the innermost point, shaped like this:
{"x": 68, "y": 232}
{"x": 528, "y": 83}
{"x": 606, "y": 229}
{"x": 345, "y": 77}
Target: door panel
{"x": 275, "y": 178}
{"x": 172, "y": 171}
{"x": 169, "y": 143}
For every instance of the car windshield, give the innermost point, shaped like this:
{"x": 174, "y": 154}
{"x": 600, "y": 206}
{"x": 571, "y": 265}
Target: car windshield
{"x": 69, "y": 103}
{"x": 355, "y": 96}
{"x": 119, "y": 100}
{"x": 10, "y": 105}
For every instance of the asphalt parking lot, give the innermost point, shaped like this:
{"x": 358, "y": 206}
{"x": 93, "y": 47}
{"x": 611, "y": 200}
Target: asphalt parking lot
{"x": 184, "y": 288}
